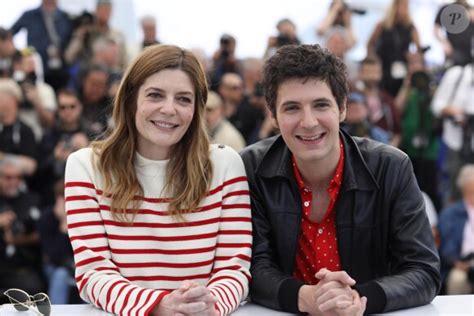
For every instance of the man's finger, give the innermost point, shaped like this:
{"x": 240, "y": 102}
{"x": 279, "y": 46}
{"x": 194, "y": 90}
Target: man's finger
{"x": 340, "y": 276}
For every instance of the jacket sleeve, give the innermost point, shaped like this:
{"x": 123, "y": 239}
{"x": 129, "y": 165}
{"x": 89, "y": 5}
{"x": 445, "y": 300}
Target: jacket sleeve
{"x": 414, "y": 264}
{"x": 270, "y": 286}
{"x": 230, "y": 275}
{"x": 98, "y": 279}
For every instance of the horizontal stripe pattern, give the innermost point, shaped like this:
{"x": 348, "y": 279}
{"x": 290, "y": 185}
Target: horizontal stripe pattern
{"x": 127, "y": 268}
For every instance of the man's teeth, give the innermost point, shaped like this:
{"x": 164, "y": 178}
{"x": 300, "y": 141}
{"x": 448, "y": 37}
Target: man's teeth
{"x": 163, "y": 124}
{"x": 311, "y": 138}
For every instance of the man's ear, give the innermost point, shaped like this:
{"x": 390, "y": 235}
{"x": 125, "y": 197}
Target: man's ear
{"x": 343, "y": 111}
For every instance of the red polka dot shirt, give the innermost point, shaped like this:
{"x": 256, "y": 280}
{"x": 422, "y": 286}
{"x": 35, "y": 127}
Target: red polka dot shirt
{"x": 317, "y": 243}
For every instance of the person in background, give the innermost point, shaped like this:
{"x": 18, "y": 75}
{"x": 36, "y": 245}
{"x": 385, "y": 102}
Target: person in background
{"x": 456, "y": 228}
{"x": 224, "y": 61}
{"x": 39, "y": 99}
{"x": 287, "y": 35}
{"x": 452, "y": 102}
{"x": 327, "y": 240}
{"x": 382, "y": 109}
{"x": 357, "y": 122}
{"x": 17, "y": 140}
{"x": 89, "y": 29}
{"x": 58, "y": 262}
{"x": 20, "y": 254}
{"x": 420, "y": 129}
{"x": 148, "y": 24}
{"x": 339, "y": 15}
{"x": 93, "y": 95}
{"x": 159, "y": 234}
{"x": 237, "y": 108}
{"x": 391, "y": 41}
{"x": 456, "y": 46}
{"x": 48, "y": 31}
{"x": 219, "y": 129}
{"x": 69, "y": 133}
{"x": 8, "y": 53}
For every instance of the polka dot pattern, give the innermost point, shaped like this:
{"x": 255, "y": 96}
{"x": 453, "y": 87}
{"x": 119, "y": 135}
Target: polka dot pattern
{"x": 317, "y": 243}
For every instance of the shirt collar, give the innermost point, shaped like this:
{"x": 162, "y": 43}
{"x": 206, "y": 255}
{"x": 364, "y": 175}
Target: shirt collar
{"x": 336, "y": 179}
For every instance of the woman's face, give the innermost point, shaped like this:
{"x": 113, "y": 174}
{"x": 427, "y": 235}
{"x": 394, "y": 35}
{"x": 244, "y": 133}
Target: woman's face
{"x": 165, "y": 109}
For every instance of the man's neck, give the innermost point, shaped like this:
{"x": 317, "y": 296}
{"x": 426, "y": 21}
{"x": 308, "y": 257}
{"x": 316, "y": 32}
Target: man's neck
{"x": 318, "y": 174}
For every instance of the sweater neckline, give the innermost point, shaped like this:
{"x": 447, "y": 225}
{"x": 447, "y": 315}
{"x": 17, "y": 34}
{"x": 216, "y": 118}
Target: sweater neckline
{"x": 148, "y": 167}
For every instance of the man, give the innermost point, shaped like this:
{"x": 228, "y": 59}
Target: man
{"x": 456, "y": 228}
{"x": 49, "y": 30}
{"x": 452, "y": 102}
{"x": 17, "y": 140}
{"x": 7, "y": 53}
{"x": 237, "y": 109}
{"x": 219, "y": 129}
{"x": 20, "y": 256}
{"x": 383, "y": 112}
{"x": 339, "y": 221}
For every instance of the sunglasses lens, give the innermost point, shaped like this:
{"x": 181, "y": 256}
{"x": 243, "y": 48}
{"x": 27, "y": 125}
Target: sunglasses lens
{"x": 16, "y": 297}
{"x": 42, "y": 303}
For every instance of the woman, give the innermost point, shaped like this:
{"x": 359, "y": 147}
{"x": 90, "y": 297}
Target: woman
{"x": 391, "y": 40}
{"x": 159, "y": 220}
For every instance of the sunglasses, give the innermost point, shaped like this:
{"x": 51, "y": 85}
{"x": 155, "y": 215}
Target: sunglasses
{"x": 22, "y": 301}
{"x": 67, "y": 106}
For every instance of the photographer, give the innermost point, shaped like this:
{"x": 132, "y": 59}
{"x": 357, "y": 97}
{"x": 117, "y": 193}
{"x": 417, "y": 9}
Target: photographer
{"x": 456, "y": 228}
{"x": 7, "y": 53}
{"x": 49, "y": 31}
{"x": 453, "y": 103}
{"x": 420, "y": 130}
{"x": 88, "y": 28}
{"x": 224, "y": 60}
{"x": 286, "y": 36}
{"x": 20, "y": 257}
{"x": 69, "y": 133}
{"x": 339, "y": 15}
{"x": 357, "y": 122}
{"x": 39, "y": 100}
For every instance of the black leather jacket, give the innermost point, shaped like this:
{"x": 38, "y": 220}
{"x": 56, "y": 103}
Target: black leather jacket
{"x": 384, "y": 238}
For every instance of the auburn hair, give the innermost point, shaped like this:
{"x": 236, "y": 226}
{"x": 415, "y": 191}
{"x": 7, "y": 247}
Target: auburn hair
{"x": 189, "y": 170}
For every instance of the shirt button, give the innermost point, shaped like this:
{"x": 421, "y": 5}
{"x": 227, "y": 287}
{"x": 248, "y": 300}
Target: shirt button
{"x": 320, "y": 231}
{"x": 306, "y": 203}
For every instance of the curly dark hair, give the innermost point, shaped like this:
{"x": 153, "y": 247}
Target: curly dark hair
{"x": 306, "y": 62}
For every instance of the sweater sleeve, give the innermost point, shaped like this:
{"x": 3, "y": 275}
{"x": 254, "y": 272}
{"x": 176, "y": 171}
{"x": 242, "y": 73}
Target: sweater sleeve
{"x": 230, "y": 276}
{"x": 98, "y": 279}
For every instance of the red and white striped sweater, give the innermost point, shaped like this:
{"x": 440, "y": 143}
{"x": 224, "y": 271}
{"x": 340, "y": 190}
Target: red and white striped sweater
{"x": 127, "y": 269}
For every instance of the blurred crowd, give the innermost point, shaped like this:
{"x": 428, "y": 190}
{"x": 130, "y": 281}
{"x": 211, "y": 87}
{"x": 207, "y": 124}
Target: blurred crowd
{"x": 56, "y": 96}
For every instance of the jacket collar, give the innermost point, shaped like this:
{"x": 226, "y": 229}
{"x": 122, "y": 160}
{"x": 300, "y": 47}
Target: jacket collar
{"x": 276, "y": 162}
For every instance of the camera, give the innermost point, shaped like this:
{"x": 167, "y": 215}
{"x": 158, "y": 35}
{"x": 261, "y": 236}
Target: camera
{"x": 83, "y": 19}
{"x": 225, "y": 46}
{"x": 283, "y": 39}
{"x": 421, "y": 81}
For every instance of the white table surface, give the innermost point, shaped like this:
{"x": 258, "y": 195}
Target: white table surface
{"x": 452, "y": 305}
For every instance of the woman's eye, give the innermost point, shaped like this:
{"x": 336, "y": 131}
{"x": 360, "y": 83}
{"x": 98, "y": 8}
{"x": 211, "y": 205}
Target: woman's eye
{"x": 153, "y": 95}
{"x": 185, "y": 99}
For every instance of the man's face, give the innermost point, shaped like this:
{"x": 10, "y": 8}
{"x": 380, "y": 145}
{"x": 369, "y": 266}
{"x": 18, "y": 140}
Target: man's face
{"x": 232, "y": 88}
{"x": 10, "y": 180}
{"x": 308, "y": 117}
{"x": 213, "y": 116}
{"x": 95, "y": 86}
{"x": 8, "y": 108}
{"x": 371, "y": 74}
{"x": 69, "y": 109}
{"x": 103, "y": 13}
{"x": 356, "y": 112}
{"x": 468, "y": 191}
